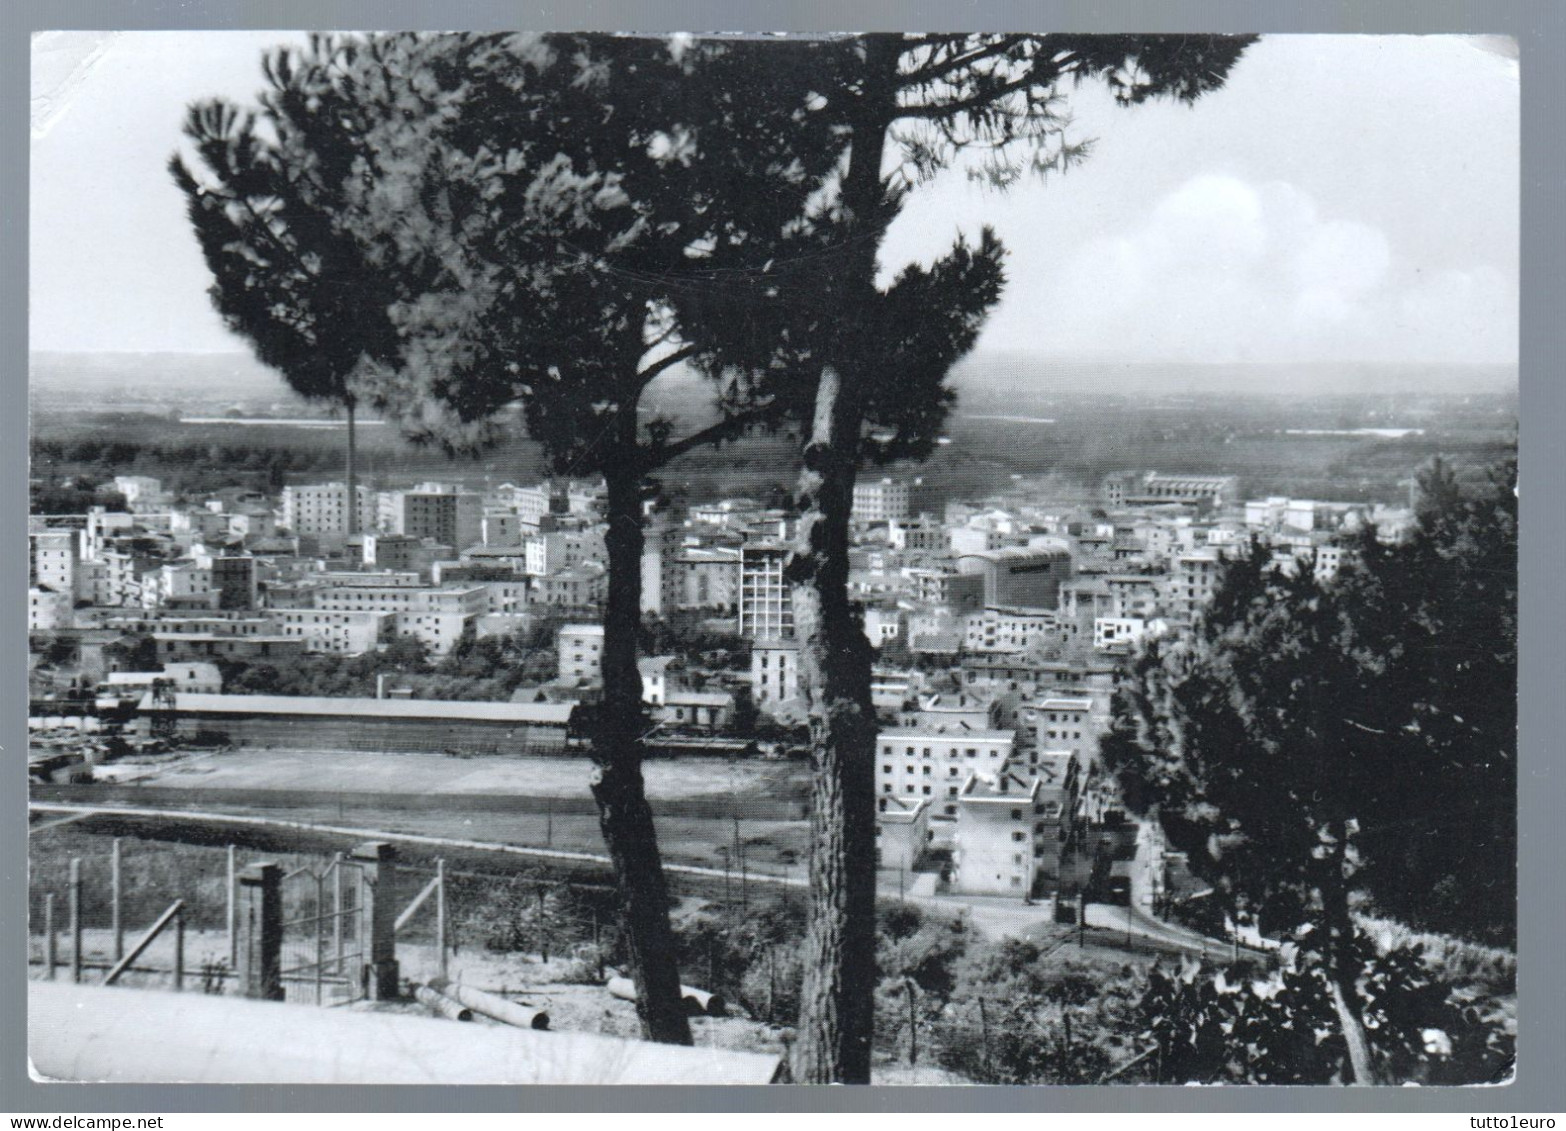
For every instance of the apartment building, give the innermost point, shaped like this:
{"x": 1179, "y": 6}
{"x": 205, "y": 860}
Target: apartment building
{"x": 890, "y": 499}
{"x": 53, "y": 560}
{"x": 774, "y": 671}
{"x": 1059, "y": 723}
{"x": 1001, "y": 823}
{"x": 321, "y": 510}
{"x": 579, "y": 650}
{"x": 709, "y": 577}
{"x": 1193, "y": 579}
{"x": 582, "y": 586}
{"x": 1010, "y": 630}
{"x": 934, "y": 761}
{"x": 344, "y": 632}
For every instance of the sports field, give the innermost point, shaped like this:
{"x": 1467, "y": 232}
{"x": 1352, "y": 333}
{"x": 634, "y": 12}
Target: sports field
{"x": 369, "y": 772}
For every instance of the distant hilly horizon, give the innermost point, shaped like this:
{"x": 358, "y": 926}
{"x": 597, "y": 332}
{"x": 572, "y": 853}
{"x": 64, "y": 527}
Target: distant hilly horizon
{"x": 983, "y": 378}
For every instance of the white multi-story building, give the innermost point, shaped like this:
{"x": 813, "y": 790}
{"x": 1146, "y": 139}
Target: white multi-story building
{"x": 54, "y": 560}
{"x": 1059, "y": 723}
{"x": 1001, "y": 824}
{"x": 580, "y": 650}
{"x": 1118, "y": 634}
{"x": 563, "y": 549}
{"x": 884, "y": 626}
{"x": 916, "y": 535}
{"x": 934, "y": 762}
{"x": 1193, "y": 579}
{"x": 348, "y": 633}
{"x": 889, "y": 500}
{"x": 177, "y": 583}
{"x": 661, "y": 580}
{"x": 774, "y": 671}
{"x": 582, "y": 586}
{"x": 188, "y": 678}
{"x": 953, "y": 591}
{"x": 141, "y": 489}
{"x": 436, "y": 616}
{"x": 446, "y": 515}
{"x": 1010, "y": 630}
{"x": 501, "y": 528}
{"x": 102, "y": 526}
{"x": 321, "y": 510}
{"x": 977, "y": 538}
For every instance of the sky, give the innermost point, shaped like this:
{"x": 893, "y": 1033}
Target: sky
{"x": 1341, "y": 198}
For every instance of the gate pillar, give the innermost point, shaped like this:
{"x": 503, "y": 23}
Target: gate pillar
{"x": 378, "y": 916}
{"x": 261, "y": 911}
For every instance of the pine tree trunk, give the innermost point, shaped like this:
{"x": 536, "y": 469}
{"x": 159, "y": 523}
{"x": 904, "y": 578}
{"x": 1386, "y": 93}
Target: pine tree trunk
{"x": 837, "y": 997}
{"x": 837, "y": 1002}
{"x": 1342, "y": 973}
{"x": 352, "y": 472}
{"x": 623, "y": 812}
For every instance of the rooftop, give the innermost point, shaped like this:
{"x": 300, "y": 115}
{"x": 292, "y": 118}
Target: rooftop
{"x": 975, "y": 734}
{"x": 557, "y": 714}
{"x": 1008, "y": 785}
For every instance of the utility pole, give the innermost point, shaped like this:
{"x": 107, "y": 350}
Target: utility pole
{"x": 115, "y": 890}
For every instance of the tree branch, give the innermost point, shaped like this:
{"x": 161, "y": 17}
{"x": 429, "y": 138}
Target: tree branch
{"x": 933, "y": 71}
{"x": 728, "y": 428}
{"x": 646, "y": 376}
{"x": 987, "y": 100}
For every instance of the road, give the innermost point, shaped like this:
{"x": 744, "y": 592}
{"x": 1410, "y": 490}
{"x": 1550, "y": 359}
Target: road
{"x": 993, "y": 916}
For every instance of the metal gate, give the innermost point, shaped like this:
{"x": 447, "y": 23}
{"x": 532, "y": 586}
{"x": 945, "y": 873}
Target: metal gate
{"x": 324, "y": 935}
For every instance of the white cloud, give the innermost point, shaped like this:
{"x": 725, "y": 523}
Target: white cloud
{"x": 1221, "y": 269}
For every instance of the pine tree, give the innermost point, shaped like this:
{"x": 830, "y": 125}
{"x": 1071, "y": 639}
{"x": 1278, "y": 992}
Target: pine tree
{"x": 552, "y": 220}
{"x": 268, "y": 210}
{"x": 923, "y": 100}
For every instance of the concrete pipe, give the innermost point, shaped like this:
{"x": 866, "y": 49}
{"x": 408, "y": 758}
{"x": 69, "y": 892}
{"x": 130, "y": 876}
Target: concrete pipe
{"x": 492, "y": 1005}
{"x": 443, "y": 1005}
{"x": 698, "y": 1003}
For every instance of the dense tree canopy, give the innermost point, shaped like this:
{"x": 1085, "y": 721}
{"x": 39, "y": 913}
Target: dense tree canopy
{"x": 1313, "y": 745}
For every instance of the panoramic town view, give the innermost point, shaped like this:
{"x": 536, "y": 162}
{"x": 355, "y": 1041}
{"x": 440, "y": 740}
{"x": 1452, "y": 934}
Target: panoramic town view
{"x": 925, "y": 559}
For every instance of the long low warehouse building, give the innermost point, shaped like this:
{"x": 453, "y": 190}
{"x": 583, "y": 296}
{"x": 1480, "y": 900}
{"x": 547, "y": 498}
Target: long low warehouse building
{"x": 324, "y": 723}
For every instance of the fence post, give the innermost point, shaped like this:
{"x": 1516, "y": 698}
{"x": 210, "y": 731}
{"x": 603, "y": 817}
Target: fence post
{"x": 179, "y": 952}
{"x": 543, "y": 925}
{"x": 233, "y": 912}
{"x": 337, "y": 910}
{"x": 115, "y": 921}
{"x": 320, "y": 935}
{"x": 598, "y": 950}
{"x": 913, "y": 1022}
{"x": 49, "y": 952}
{"x": 440, "y": 914}
{"x": 76, "y": 918}
{"x": 984, "y": 1032}
{"x": 261, "y": 890}
{"x": 378, "y": 913}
